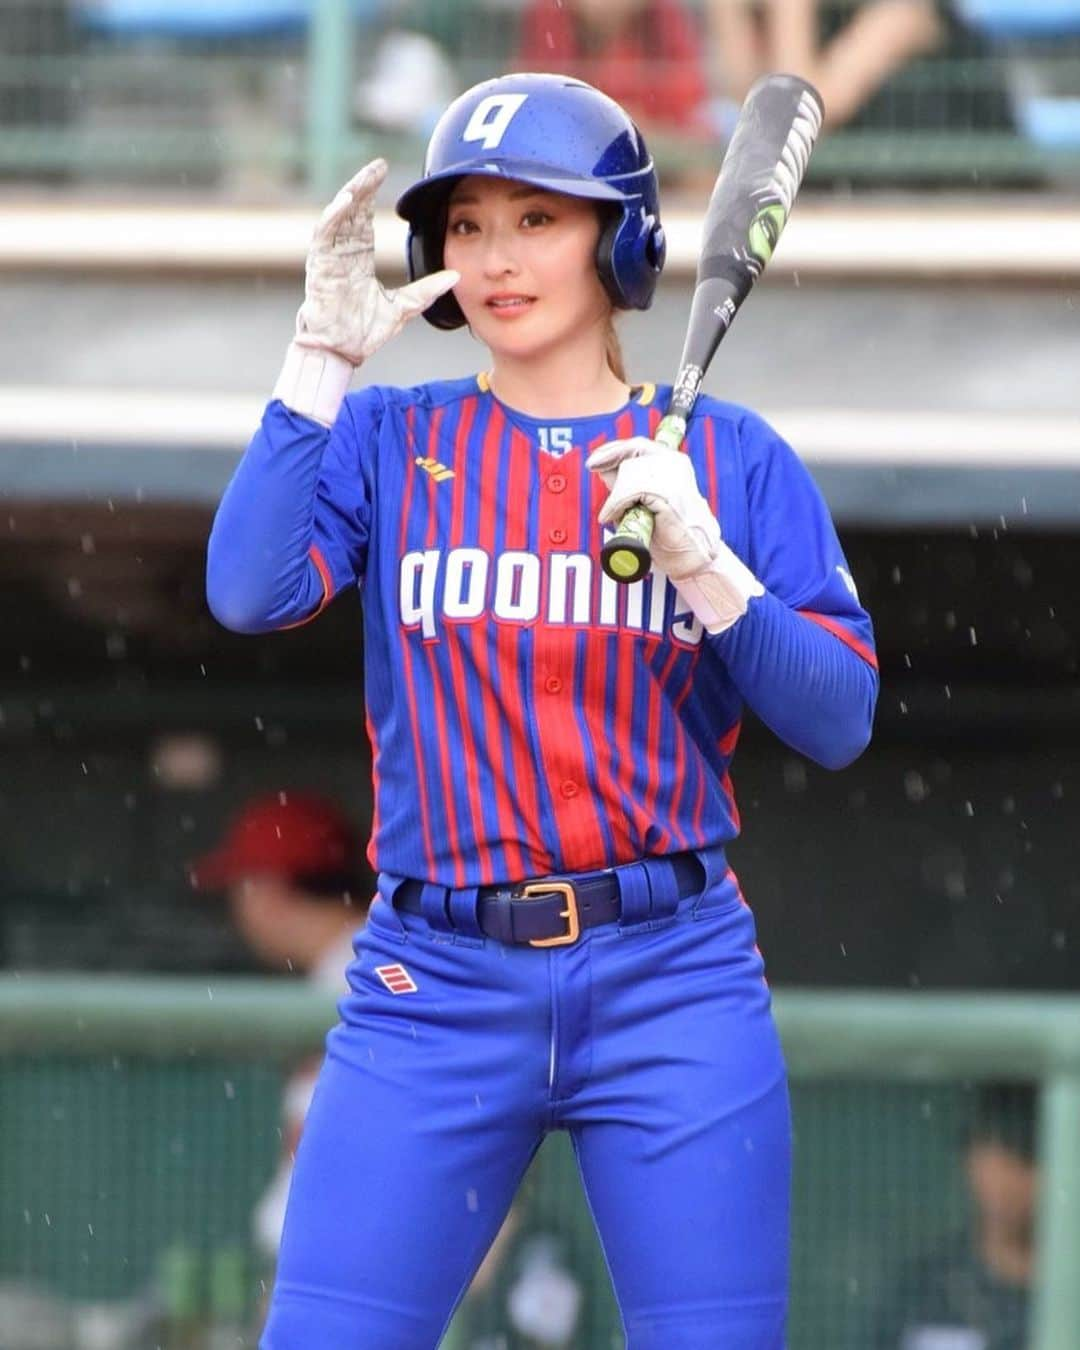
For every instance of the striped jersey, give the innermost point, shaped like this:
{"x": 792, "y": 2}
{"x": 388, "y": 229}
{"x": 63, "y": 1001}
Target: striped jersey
{"x": 527, "y": 715}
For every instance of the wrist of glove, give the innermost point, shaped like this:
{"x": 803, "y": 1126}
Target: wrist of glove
{"x": 347, "y": 313}
{"x": 313, "y": 382}
{"x": 686, "y": 543}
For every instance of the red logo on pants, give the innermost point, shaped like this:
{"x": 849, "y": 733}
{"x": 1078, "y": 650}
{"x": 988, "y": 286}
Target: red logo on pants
{"x": 397, "y": 979}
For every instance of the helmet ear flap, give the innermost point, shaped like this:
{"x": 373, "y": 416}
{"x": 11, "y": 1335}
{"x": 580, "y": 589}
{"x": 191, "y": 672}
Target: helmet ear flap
{"x": 631, "y": 249}
{"x": 423, "y": 255}
{"x": 414, "y": 255}
{"x": 611, "y": 219}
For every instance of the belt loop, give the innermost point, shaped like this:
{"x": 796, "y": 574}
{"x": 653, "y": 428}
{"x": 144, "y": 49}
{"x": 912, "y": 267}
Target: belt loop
{"x": 714, "y": 861}
{"x": 387, "y": 885}
{"x": 635, "y": 895}
{"x": 433, "y": 907}
{"x": 461, "y": 909}
{"x": 663, "y": 886}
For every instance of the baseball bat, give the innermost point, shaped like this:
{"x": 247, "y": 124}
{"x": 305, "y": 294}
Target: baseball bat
{"x": 761, "y": 173}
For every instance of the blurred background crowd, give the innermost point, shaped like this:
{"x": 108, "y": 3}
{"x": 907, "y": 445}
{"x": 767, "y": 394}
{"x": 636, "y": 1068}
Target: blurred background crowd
{"x": 183, "y": 811}
{"x": 219, "y": 94}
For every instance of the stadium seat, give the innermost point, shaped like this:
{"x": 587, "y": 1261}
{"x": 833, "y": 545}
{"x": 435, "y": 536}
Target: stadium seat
{"x": 206, "y": 18}
{"x": 1021, "y": 30}
{"x": 1022, "y": 18}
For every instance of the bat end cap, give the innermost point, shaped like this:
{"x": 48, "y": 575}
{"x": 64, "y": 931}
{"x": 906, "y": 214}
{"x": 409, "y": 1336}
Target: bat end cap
{"x": 625, "y": 564}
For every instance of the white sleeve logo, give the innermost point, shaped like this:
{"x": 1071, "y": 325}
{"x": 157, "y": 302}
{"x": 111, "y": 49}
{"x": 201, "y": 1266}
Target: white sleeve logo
{"x": 849, "y": 582}
{"x": 491, "y": 117}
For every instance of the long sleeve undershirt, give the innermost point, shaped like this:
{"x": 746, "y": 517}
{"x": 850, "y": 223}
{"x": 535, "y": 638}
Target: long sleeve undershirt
{"x": 805, "y": 684}
{"x": 259, "y": 575}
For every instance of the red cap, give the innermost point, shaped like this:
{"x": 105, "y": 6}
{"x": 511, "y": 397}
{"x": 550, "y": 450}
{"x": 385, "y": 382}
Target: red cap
{"x": 292, "y": 834}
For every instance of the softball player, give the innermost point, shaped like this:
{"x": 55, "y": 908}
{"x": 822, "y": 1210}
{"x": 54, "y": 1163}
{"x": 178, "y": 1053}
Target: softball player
{"x": 557, "y": 941}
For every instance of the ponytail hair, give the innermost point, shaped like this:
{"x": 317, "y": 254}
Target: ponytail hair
{"x": 613, "y": 349}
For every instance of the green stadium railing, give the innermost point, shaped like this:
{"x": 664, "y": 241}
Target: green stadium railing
{"x": 172, "y": 1051}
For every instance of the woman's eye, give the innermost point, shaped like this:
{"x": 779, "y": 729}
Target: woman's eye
{"x": 534, "y": 218}
{"x": 462, "y": 227}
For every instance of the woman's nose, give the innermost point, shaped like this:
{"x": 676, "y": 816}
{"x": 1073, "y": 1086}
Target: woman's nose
{"x": 499, "y": 258}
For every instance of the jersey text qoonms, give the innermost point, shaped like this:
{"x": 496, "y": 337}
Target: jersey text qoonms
{"x": 527, "y": 715}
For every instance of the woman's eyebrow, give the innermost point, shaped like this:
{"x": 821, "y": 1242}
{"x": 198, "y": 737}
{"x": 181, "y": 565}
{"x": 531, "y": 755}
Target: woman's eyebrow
{"x": 470, "y": 199}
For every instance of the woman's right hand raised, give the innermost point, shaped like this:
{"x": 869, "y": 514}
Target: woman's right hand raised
{"x": 346, "y": 309}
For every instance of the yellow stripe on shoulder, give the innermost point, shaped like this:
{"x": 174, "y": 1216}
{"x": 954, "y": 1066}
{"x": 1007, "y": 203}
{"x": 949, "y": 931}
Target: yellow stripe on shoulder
{"x": 483, "y": 382}
{"x": 648, "y": 393}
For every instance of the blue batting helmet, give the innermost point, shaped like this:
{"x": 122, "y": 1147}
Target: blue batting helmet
{"x": 556, "y": 133}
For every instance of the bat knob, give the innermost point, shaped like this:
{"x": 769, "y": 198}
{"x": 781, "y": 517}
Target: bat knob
{"x": 626, "y": 557}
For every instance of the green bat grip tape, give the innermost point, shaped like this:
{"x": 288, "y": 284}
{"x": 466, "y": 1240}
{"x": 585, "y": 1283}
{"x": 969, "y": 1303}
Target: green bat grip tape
{"x": 625, "y": 557}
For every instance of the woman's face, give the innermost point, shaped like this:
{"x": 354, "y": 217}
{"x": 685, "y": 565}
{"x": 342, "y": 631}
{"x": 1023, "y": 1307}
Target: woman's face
{"x": 527, "y": 260}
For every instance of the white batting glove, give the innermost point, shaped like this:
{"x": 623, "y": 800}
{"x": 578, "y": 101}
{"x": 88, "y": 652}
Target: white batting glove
{"x": 347, "y": 313}
{"x": 686, "y": 544}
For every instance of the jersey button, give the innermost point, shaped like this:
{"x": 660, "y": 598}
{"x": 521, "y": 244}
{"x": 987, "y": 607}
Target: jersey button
{"x": 553, "y": 684}
{"x": 569, "y": 789}
{"x": 557, "y": 535}
{"x": 556, "y": 482}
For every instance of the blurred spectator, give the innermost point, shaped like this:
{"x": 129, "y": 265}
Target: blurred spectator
{"x": 648, "y": 55}
{"x": 410, "y": 82}
{"x": 544, "y": 1302}
{"x": 292, "y": 868}
{"x": 869, "y": 44}
{"x": 852, "y": 54}
{"x": 973, "y": 1291}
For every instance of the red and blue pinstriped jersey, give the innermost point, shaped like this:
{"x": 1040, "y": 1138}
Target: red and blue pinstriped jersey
{"x": 527, "y": 715}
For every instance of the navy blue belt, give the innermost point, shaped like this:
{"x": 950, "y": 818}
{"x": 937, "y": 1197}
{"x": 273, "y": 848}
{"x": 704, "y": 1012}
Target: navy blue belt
{"x": 552, "y": 911}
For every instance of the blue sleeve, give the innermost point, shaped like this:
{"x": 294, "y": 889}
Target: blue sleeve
{"x": 802, "y": 656}
{"x": 292, "y": 528}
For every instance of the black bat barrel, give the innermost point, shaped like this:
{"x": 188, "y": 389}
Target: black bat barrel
{"x": 761, "y": 174}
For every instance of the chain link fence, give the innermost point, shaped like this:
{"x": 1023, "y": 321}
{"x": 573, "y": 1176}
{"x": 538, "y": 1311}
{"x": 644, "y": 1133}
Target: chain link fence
{"x": 142, "y": 1125}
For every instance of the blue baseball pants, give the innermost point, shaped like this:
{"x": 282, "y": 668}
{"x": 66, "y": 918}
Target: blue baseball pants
{"x": 650, "y": 1040}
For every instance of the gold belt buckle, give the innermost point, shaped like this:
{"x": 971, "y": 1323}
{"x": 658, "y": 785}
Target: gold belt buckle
{"x": 570, "y": 913}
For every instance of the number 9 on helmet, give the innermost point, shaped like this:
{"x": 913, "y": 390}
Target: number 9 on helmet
{"x": 555, "y": 133}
